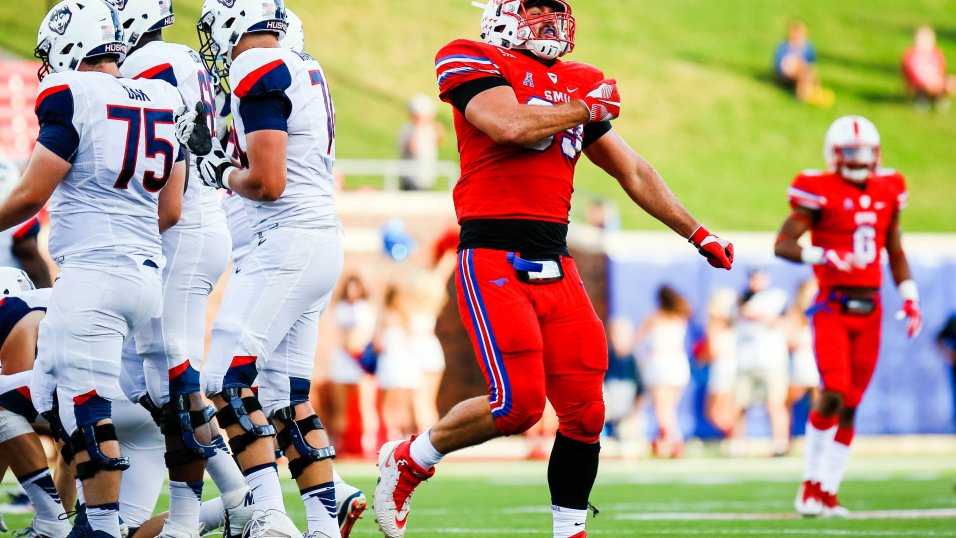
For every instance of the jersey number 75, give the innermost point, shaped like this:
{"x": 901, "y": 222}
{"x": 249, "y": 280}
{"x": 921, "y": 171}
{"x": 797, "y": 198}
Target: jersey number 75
{"x": 141, "y": 125}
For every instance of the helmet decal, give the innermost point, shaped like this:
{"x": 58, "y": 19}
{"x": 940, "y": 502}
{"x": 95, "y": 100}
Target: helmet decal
{"x": 61, "y": 20}
{"x": 119, "y": 4}
{"x": 228, "y": 3}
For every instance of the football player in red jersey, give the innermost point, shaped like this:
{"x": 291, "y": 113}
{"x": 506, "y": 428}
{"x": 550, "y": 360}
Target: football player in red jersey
{"x": 523, "y": 118}
{"x": 852, "y": 212}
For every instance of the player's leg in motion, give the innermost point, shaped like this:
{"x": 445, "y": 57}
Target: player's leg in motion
{"x": 277, "y": 285}
{"x": 284, "y": 394}
{"x": 864, "y": 348}
{"x": 575, "y": 359}
{"x": 91, "y": 312}
{"x": 20, "y": 448}
{"x": 832, "y": 348}
{"x": 504, "y": 331}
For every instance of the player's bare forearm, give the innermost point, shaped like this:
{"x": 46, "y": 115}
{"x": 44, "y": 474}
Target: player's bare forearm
{"x": 641, "y": 182}
{"x": 265, "y": 179}
{"x": 899, "y": 266}
{"x": 171, "y": 197}
{"x": 44, "y": 172}
{"x": 498, "y": 114}
{"x": 787, "y": 245}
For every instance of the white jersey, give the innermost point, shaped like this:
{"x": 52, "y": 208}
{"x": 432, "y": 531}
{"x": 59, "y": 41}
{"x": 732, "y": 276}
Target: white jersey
{"x": 182, "y": 67}
{"x": 120, "y": 137}
{"x": 279, "y": 89}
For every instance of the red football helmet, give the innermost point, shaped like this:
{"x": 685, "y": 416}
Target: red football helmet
{"x": 547, "y": 35}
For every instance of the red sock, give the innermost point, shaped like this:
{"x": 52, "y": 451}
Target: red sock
{"x": 844, "y": 436}
{"x": 821, "y": 422}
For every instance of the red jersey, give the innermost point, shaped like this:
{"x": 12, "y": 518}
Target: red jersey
{"x": 509, "y": 182}
{"x": 850, "y": 217}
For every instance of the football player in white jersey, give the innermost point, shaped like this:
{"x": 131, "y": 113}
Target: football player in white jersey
{"x": 108, "y": 157}
{"x": 18, "y": 245}
{"x": 284, "y": 131}
{"x": 21, "y": 311}
{"x": 196, "y": 251}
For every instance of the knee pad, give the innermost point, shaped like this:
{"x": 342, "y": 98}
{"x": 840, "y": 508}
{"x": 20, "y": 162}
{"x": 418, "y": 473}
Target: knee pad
{"x": 59, "y": 432}
{"x": 178, "y": 420}
{"x": 12, "y": 425}
{"x": 155, "y": 411}
{"x": 236, "y": 411}
{"x": 586, "y": 424}
{"x": 517, "y": 422}
{"x": 89, "y": 438}
{"x": 293, "y": 434}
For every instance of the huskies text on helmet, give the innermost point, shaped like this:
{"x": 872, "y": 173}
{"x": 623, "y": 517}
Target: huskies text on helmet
{"x": 224, "y": 22}
{"x": 852, "y": 148}
{"x": 139, "y": 17}
{"x": 511, "y": 24}
{"x": 74, "y": 31}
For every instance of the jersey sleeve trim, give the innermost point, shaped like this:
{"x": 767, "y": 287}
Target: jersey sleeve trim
{"x": 273, "y": 76}
{"x": 265, "y": 113}
{"x": 49, "y": 92}
{"x": 30, "y": 228}
{"x": 456, "y": 68}
{"x": 902, "y": 200}
{"x": 806, "y": 199}
{"x": 162, "y": 72}
{"x": 54, "y": 111}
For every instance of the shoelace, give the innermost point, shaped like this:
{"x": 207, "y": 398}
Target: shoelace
{"x": 405, "y": 487}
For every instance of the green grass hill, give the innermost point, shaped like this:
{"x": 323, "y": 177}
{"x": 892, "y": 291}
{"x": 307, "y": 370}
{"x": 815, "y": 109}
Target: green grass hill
{"x": 699, "y": 100}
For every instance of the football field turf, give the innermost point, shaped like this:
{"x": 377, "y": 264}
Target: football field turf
{"x": 889, "y": 496}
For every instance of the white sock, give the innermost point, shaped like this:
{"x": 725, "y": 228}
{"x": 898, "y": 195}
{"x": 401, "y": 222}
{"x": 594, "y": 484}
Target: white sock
{"x": 43, "y": 496}
{"x": 104, "y": 517}
{"x": 424, "y": 453}
{"x": 567, "y": 521}
{"x": 80, "y": 499}
{"x": 184, "y": 501}
{"x": 212, "y": 515}
{"x": 834, "y": 467}
{"x": 224, "y": 470}
{"x": 336, "y": 479}
{"x": 266, "y": 490}
{"x": 320, "y": 512}
{"x": 817, "y": 444}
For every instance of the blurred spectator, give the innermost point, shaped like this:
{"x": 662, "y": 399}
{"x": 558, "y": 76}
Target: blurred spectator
{"x": 721, "y": 353}
{"x": 18, "y": 245}
{"x": 924, "y": 69}
{"x": 622, "y": 383}
{"x": 946, "y": 339}
{"x": 602, "y": 213}
{"x": 398, "y": 372}
{"x": 355, "y": 323}
{"x": 794, "y": 63}
{"x": 419, "y": 140}
{"x": 665, "y": 367}
{"x": 427, "y": 298}
{"x": 763, "y": 359}
{"x": 804, "y": 375}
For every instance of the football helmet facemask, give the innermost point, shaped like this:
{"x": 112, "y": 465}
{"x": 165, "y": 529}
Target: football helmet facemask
{"x": 852, "y": 148}
{"x": 224, "y": 22}
{"x": 547, "y": 35}
{"x": 74, "y": 31}
{"x": 139, "y": 17}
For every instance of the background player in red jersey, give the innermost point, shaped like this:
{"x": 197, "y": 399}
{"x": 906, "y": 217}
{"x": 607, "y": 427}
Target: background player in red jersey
{"x": 523, "y": 118}
{"x": 852, "y": 213}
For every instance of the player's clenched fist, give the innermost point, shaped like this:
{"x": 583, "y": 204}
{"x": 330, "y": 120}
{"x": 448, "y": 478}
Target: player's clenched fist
{"x": 719, "y": 252}
{"x": 603, "y": 101}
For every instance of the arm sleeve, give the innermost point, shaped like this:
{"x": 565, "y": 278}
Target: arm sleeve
{"x": 594, "y": 131}
{"x": 460, "y": 62}
{"x": 462, "y": 94}
{"x": 54, "y": 111}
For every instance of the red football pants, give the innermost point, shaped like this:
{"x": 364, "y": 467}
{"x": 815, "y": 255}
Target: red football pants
{"x": 847, "y": 347}
{"x": 534, "y": 341}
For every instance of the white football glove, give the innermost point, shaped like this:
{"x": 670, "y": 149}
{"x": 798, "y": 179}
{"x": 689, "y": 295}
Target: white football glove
{"x": 192, "y": 130}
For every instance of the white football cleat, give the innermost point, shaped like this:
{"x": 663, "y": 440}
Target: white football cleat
{"x": 832, "y": 507}
{"x": 270, "y": 524}
{"x": 349, "y": 504}
{"x": 46, "y": 529}
{"x": 398, "y": 476}
{"x": 808, "y": 502}
{"x": 239, "y": 508}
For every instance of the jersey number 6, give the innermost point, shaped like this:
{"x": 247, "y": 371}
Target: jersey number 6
{"x": 137, "y": 121}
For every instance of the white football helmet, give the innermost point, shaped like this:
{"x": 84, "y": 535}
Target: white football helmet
{"x": 14, "y": 281}
{"x": 77, "y": 30}
{"x": 224, "y": 22}
{"x": 139, "y": 17}
{"x": 852, "y": 148}
{"x": 295, "y": 34}
{"x": 505, "y": 23}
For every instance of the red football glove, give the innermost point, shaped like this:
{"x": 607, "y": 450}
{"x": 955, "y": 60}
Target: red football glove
{"x": 719, "y": 252}
{"x": 913, "y": 316}
{"x": 840, "y": 260}
{"x": 603, "y": 101}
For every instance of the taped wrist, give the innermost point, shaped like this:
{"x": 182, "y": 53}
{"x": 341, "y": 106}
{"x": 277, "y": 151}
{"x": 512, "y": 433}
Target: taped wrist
{"x": 909, "y": 291}
{"x": 89, "y": 438}
{"x": 812, "y": 255}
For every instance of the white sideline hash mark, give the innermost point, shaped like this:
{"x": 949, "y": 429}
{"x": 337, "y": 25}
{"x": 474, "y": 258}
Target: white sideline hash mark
{"x": 937, "y": 513}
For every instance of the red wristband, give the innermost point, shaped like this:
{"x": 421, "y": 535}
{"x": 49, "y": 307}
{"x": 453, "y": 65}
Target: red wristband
{"x": 699, "y": 235}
